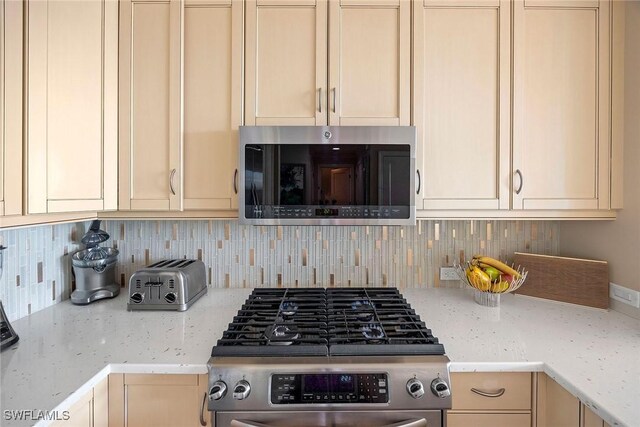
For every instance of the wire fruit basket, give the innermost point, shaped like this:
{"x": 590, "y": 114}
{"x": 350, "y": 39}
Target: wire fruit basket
{"x": 489, "y": 294}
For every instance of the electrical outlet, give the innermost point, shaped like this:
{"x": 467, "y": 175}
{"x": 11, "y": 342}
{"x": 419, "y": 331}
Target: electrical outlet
{"x": 448, "y": 273}
{"x": 622, "y": 294}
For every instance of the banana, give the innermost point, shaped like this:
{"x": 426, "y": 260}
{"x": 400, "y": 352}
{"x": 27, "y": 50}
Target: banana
{"x": 479, "y": 260}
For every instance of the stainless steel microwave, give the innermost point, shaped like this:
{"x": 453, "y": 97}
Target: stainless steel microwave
{"x": 327, "y": 175}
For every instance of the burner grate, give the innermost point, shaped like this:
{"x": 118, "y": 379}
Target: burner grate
{"x": 335, "y": 321}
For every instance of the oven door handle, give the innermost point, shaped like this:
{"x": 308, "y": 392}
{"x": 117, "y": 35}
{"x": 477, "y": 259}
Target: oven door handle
{"x": 418, "y": 422}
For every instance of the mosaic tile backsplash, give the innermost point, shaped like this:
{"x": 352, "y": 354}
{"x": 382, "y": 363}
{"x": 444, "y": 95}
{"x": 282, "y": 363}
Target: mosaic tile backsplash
{"x": 38, "y": 266}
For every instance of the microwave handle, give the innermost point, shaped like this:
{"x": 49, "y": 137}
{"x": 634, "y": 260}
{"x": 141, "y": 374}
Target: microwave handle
{"x": 419, "y": 181}
{"x": 418, "y": 422}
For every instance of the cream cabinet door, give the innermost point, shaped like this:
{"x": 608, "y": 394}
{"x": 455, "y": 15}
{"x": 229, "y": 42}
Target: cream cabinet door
{"x": 462, "y": 103}
{"x": 561, "y": 79}
{"x": 71, "y": 131}
{"x": 556, "y": 406}
{"x": 11, "y": 44}
{"x": 162, "y": 400}
{"x": 79, "y": 415}
{"x": 150, "y": 102}
{"x": 213, "y": 48}
{"x": 488, "y": 420}
{"x": 286, "y": 62}
{"x": 369, "y": 62}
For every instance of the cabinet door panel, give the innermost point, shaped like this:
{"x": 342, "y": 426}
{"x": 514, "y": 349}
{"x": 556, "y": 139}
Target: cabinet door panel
{"x": 462, "y": 102}
{"x": 286, "y": 63}
{"x": 81, "y": 414}
{"x": 71, "y": 56}
{"x": 150, "y": 105}
{"x": 11, "y": 45}
{"x": 589, "y": 418}
{"x": 556, "y": 406}
{"x": 369, "y": 63}
{"x": 212, "y": 102}
{"x": 154, "y": 405}
{"x": 561, "y": 104}
{"x": 488, "y": 420}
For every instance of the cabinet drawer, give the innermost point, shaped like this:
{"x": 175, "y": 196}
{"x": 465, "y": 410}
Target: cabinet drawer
{"x": 516, "y": 395}
{"x": 488, "y": 420}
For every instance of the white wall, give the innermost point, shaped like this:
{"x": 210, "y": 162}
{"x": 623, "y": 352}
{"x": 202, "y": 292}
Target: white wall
{"x": 618, "y": 241}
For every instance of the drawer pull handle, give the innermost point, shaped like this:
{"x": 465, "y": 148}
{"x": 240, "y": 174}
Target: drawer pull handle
{"x": 498, "y": 393}
{"x": 203, "y": 422}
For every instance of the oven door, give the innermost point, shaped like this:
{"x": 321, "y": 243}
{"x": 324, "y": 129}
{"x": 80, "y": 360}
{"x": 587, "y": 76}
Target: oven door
{"x": 329, "y": 419}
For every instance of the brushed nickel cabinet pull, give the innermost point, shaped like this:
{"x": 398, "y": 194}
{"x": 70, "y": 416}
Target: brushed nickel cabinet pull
{"x": 319, "y": 100}
{"x": 419, "y": 181}
{"x": 235, "y": 181}
{"x": 521, "y": 181}
{"x": 203, "y": 422}
{"x": 173, "y": 173}
{"x": 498, "y": 393}
{"x": 334, "y": 99}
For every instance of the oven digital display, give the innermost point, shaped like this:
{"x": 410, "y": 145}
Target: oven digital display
{"x": 342, "y": 383}
{"x": 329, "y": 388}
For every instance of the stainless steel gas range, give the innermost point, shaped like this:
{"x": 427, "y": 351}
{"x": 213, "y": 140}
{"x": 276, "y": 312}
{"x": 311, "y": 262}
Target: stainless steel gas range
{"x": 328, "y": 357}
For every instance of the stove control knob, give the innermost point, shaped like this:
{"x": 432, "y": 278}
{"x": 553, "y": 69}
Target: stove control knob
{"x": 440, "y": 388}
{"x": 415, "y": 388}
{"x": 241, "y": 390}
{"x": 218, "y": 390}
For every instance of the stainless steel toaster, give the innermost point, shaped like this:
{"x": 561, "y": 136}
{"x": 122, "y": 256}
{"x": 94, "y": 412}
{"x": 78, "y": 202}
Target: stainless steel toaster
{"x": 173, "y": 284}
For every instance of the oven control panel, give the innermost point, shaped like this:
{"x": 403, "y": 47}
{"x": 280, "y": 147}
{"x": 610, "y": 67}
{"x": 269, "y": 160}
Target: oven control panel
{"x": 329, "y": 388}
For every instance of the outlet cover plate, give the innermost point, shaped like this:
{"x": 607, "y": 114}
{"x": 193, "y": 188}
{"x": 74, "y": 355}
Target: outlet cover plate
{"x": 622, "y": 294}
{"x": 448, "y": 273}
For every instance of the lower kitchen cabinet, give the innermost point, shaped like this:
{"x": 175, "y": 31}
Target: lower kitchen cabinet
{"x": 556, "y": 406}
{"x": 559, "y": 408}
{"x": 90, "y": 411}
{"x": 590, "y": 419}
{"x": 157, "y": 400}
{"x": 491, "y": 399}
{"x": 488, "y": 420}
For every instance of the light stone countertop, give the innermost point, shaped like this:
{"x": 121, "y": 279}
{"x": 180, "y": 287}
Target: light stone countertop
{"x": 64, "y": 350}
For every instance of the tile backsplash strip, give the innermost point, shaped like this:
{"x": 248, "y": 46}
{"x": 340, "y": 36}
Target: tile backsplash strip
{"x": 37, "y": 266}
{"x": 250, "y": 256}
{"x": 37, "y": 263}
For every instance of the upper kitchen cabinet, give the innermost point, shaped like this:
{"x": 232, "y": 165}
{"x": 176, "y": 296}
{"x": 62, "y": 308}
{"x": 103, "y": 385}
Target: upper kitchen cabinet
{"x": 561, "y": 104}
{"x": 213, "y": 45}
{"x": 286, "y": 62}
{"x": 314, "y": 62}
{"x": 71, "y": 98}
{"x": 462, "y": 103}
{"x": 11, "y": 45}
{"x": 369, "y": 62}
{"x": 180, "y": 104}
{"x": 150, "y": 103}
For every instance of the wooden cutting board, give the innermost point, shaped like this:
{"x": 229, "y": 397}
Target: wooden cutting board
{"x": 573, "y": 280}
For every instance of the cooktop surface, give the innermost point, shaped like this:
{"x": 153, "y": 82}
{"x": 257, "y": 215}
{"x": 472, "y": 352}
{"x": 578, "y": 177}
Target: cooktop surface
{"x": 326, "y": 322}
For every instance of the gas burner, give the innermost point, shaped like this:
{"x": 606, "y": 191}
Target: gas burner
{"x": 288, "y": 308}
{"x": 363, "y": 310}
{"x": 372, "y": 332}
{"x": 280, "y": 335}
{"x": 361, "y": 304}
